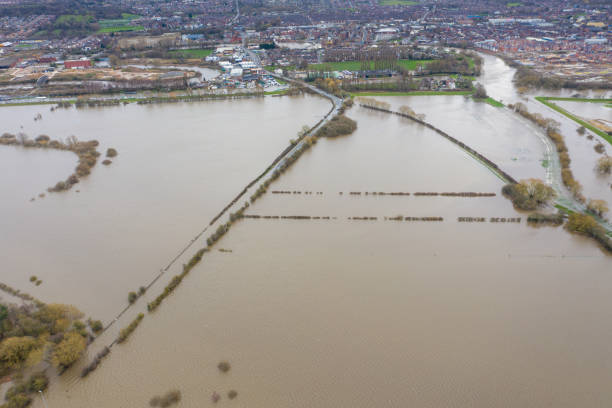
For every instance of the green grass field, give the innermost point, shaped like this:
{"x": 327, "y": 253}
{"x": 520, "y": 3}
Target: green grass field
{"x": 273, "y": 67}
{"x": 125, "y": 19}
{"x": 592, "y": 100}
{"x": 470, "y": 77}
{"x": 356, "y": 65}
{"x": 119, "y": 24}
{"x": 117, "y": 29}
{"x": 193, "y": 53}
{"x": 548, "y": 102}
{"x": 513, "y": 4}
{"x": 397, "y": 2}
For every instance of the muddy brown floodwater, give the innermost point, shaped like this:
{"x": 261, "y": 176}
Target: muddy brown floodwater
{"x": 497, "y": 78}
{"x": 178, "y": 165}
{"x": 345, "y": 313}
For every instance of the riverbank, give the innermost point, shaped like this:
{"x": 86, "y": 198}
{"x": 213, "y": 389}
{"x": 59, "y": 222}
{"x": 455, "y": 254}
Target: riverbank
{"x": 144, "y": 99}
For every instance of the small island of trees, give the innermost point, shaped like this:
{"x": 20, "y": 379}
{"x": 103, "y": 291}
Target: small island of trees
{"x": 32, "y": 335}
{"x": 86, "y": 152}
{"x": 529, "y": 194}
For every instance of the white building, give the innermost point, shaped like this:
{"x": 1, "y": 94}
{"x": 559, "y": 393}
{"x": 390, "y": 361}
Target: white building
{"x": 386, "y": 33}
{"x": 236, "y": 72}
{"x": 594, "y": 41}
{"x": 247, "y": 64}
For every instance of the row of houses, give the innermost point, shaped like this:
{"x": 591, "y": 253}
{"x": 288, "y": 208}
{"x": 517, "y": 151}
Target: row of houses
{"x": 12, "y": 62}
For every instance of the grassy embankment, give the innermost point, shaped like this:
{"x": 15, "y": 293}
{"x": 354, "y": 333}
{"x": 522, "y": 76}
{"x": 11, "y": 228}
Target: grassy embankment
{"x": 494, "y": 102}
{"x": 546, "y": 100}
{"x": 277, "y": 92}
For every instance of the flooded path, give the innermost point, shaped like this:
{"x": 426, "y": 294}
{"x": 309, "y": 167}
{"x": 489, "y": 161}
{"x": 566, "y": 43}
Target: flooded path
{"x": 497, "y": 79}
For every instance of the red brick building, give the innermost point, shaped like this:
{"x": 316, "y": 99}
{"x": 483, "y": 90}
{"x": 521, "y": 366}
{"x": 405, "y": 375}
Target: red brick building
{"x": 77, "y": 64}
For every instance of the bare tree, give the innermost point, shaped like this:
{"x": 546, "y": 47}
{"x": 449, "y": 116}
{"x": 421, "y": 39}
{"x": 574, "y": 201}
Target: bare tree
{"x": 599, "y": 207}
{"x": 604, "y": 165}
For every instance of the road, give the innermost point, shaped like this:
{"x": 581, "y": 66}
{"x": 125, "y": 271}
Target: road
{"x": 237, "y": 16}
{"x": 337, "y": 103}
{"x": 554, "y": 177}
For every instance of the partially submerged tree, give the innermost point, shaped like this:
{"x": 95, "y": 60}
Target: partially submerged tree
{"x": 69, "y": 350}
{"x": 408, "y": 111}
{"x": 170, "y": 398}
{"x": 604, "y": 165}
{"x": 15, "y": 351}
{"x": 529, "y": 194}
{"x": 598, "y": 207}
{"x": 480, "y": 92}
{"x": 373, "y": 103}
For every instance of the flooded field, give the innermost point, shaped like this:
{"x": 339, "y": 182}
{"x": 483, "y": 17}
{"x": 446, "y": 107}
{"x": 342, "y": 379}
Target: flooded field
{"x": 376, "y": 313}
{"x": 329, "y": 312}
{"x": 491, "y": 131}
{"x": 178, "y": 166}
{"x": 588, "y": 111}
{"x": 497, "y": 79}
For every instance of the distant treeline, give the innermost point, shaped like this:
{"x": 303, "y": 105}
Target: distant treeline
{"x": 402, "y": 83}
{"x": 382, "y": 53}
{"x": 59, "y": 7}
{"x": 115, "y": 86}
{"x": 455, "y": 64}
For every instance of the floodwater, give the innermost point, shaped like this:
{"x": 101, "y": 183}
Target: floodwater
{"x": 346, "y": 313}
{"x": 178, "y": 166}
{"x": 497, "y": 79}
{"x": 588, "y": 111}
{"x": 326, "y": 313}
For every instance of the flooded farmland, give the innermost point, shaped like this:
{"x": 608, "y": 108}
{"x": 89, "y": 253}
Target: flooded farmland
{"x": 497, "y": 78}
{"x": 331, "y": 312}
{"x": 178, "y": 165}
{"x": 588, "y": 111}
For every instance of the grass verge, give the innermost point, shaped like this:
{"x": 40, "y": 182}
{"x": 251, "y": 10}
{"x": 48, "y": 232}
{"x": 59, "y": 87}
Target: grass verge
{"x": 117, "y": 29}
{"x": 277, "y": 92}
{"x": 547, "y": 101}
